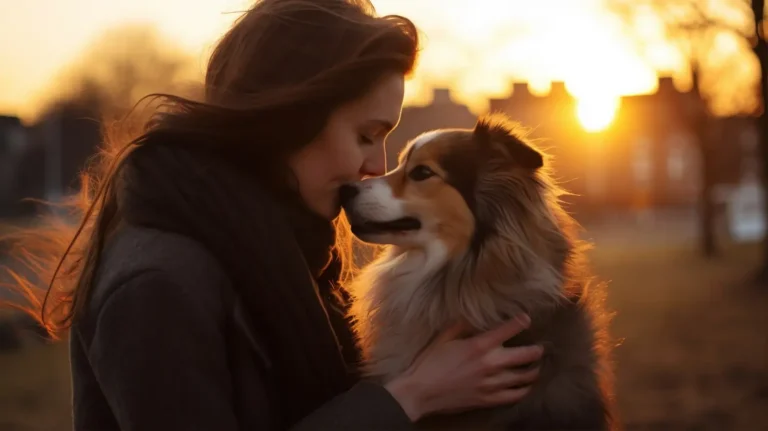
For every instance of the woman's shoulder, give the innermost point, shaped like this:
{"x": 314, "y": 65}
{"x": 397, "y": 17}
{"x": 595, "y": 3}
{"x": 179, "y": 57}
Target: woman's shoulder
{"x": 135, "y": 254}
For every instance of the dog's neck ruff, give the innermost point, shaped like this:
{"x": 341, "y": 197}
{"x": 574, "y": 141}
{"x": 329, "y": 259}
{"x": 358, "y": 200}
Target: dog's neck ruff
{"x": 405, "y": 297}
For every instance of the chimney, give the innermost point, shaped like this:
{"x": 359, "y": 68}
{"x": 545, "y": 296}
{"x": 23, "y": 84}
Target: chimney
{"x": 520, "y": 90}
{"x": 666, "y": 85}
{"x": 557, "y": 90}
{"x": 441, "y": 96}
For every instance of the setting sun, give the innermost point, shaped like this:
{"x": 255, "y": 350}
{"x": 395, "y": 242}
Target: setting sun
{"x": 596, "y": 114}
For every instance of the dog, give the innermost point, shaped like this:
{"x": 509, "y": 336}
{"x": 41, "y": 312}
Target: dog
{"x": 473, "y": 229}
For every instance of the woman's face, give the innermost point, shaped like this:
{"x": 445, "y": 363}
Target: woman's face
{"x": 350, "y": 147}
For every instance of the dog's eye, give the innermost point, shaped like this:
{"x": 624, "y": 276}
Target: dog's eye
{"x": 420, "y": 173}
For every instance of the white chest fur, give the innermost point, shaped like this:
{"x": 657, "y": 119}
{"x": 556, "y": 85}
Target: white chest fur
{"x": 404, "y": 298}
{"x": 391, "y": 308}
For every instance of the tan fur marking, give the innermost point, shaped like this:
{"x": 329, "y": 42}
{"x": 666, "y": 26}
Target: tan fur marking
{"x": 434, "y": 197}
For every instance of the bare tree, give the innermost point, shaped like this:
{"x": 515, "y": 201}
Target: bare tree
{"x": 101, "y": 86}
{"x": 694, "y": 27}
{"x": 119, "y": 68}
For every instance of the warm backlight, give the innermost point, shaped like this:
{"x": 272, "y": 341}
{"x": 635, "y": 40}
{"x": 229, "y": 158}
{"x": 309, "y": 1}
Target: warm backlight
{"x": 596, "y": 114}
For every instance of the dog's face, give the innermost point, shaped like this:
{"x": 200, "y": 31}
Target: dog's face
{"x": 455, "y": 186}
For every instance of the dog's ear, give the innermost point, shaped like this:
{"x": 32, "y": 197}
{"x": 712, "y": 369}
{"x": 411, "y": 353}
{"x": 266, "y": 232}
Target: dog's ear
{"x": 495, "y": 134}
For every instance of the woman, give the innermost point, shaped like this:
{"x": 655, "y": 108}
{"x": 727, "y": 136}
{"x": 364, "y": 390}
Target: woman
{"x": 199, "y": 291}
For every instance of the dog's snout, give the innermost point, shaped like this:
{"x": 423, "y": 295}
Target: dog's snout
{"x": 347, "y": 193}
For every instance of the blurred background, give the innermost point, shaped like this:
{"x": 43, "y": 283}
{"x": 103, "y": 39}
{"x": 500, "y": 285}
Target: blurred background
{"x": 653, "y": 110}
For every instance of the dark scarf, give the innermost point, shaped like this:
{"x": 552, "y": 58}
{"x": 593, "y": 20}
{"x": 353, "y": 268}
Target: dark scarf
{"x": 271, "y": 249}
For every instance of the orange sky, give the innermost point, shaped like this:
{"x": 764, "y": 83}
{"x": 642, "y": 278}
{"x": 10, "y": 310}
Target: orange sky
{"x": 476, "y": 47}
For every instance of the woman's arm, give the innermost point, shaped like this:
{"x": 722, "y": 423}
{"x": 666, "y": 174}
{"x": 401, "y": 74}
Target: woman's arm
{"x": 367, "y": 406}
{"x": 159, "y": 355}
{"x": 158, "y": 352}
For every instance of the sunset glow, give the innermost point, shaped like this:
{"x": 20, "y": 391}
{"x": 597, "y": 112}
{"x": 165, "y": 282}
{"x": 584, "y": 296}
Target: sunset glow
{"x": 474, "y": 47}
{"x": 596, "y": 114}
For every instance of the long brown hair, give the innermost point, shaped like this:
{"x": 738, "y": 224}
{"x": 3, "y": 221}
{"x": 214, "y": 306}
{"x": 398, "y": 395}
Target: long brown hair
{"x": 271, "y": 83}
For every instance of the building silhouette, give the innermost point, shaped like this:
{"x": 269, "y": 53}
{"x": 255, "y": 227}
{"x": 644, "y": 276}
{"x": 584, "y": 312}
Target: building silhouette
{"x": 648, "y": 158}
{"x": 442, "y": 112}
{"x": 13, "y": 144}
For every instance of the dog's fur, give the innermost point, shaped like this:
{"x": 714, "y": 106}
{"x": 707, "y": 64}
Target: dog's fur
{"x": 482, "y": 240}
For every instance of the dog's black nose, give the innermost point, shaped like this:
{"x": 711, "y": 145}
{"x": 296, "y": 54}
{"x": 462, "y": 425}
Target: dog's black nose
{"x": 347, "y": 193}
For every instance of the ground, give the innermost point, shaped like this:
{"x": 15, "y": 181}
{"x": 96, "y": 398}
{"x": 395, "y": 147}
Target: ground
{"x": 693, "y": 352}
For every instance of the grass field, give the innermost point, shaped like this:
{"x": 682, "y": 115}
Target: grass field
{"x": 693, "y": 355}
{"x": 694, "y": 351}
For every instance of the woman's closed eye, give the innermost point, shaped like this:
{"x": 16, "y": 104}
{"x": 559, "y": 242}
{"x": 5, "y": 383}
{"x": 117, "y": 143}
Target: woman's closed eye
{"x": 365, "y": 140}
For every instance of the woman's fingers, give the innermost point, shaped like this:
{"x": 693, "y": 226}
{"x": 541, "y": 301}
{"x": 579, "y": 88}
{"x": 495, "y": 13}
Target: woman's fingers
{"x": 510, "y": 357}
{"x": 453, "y": 332}
{"x": 509, "y": 379}
{"x": 468, "y": 373}
{"x": 496, "y": 337}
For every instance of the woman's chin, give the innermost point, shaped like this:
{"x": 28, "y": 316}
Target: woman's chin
{"x": 329, "y": 212}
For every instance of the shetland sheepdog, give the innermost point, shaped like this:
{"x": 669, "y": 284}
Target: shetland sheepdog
{"x": 473, "y": 230}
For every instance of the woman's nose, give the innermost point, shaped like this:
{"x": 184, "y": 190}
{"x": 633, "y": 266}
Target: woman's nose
{"x": 375, "y": 164}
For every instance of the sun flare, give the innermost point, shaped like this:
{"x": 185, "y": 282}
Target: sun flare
{"x": 596, "y": 114}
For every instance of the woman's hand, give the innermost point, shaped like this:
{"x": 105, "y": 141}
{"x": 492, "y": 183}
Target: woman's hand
{"x": 455, "y": 374}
